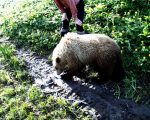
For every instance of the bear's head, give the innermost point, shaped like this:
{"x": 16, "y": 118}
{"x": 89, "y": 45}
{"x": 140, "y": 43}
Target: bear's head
{"x": 59, "y": 65}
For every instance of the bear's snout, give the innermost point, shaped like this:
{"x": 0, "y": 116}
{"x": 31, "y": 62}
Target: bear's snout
{"x": 58, "y": 72}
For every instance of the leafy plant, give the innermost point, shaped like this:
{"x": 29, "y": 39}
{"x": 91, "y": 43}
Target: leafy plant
{"x": 128, "y": 23}
{"x": 35, "y": 23}
{"x": 32, "y": 23}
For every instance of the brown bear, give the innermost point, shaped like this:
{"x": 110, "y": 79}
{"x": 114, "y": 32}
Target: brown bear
{"x": 75, "y": 51}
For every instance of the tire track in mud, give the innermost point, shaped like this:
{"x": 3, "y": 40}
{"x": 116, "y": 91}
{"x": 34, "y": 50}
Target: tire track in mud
{"x": 97, "y": 100}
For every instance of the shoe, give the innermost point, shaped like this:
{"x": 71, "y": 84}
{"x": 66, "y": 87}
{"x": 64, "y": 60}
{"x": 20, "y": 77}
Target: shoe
{"x": 63, "y": 31}
{"x": 64, "y": 27}
{"x": 81, "y": 32}
{"x": 80, "y": 29}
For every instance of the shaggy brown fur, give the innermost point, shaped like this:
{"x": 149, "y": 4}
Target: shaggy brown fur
{"x": 75, "y": 51}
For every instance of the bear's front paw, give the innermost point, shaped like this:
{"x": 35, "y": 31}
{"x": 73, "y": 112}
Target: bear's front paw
{"x": 66, "y": 76}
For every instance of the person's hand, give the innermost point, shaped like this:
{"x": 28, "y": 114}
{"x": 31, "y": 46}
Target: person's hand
{"x": 64, "y": 16}
{"x": 78, "y": 22}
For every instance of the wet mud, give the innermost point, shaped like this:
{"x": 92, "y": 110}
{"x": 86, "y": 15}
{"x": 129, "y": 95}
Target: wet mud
{"x": 98, "y": 100}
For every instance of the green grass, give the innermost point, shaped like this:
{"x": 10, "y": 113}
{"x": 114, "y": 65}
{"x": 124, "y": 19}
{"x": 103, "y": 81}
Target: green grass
{"x": 32, "y": 23}
{"x": 19, "y": 99}
{"x": 35, "y": 23}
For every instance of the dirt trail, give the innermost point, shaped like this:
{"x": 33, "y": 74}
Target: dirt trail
{"x": 97, "y": 100}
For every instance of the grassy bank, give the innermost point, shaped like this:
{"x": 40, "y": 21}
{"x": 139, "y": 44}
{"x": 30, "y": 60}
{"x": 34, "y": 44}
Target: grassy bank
{"x": 19, "y": 99}
{"x": 35, "y": 23}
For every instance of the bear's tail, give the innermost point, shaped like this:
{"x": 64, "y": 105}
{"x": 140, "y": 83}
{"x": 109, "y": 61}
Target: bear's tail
{"x": 118, "y": 73}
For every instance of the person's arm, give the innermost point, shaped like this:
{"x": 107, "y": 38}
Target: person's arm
{"x": 73, "y": 8}
{"x": 60, "y": 6}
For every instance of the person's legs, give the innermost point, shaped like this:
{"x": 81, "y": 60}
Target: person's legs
{"x": 64, "y": 27}
{"x": 80, "y": 7}
{"x": 65, "y": 22}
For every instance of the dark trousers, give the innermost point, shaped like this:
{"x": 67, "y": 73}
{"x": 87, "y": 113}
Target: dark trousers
{"x": 80, "y": 15}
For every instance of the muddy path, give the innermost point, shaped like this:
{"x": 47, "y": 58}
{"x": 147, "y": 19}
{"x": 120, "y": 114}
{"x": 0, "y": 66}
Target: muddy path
{"x": 97, "y": 100}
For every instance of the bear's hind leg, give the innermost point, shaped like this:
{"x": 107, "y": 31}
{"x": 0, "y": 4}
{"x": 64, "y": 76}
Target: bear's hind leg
{"x": 103, "y": 75}
{"x": 118, "y": 72}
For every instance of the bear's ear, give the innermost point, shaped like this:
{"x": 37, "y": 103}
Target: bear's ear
{"x": 57, "y": 60}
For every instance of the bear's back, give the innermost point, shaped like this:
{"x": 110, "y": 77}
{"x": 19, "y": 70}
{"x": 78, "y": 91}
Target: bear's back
{"x": 88, "y": 47}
